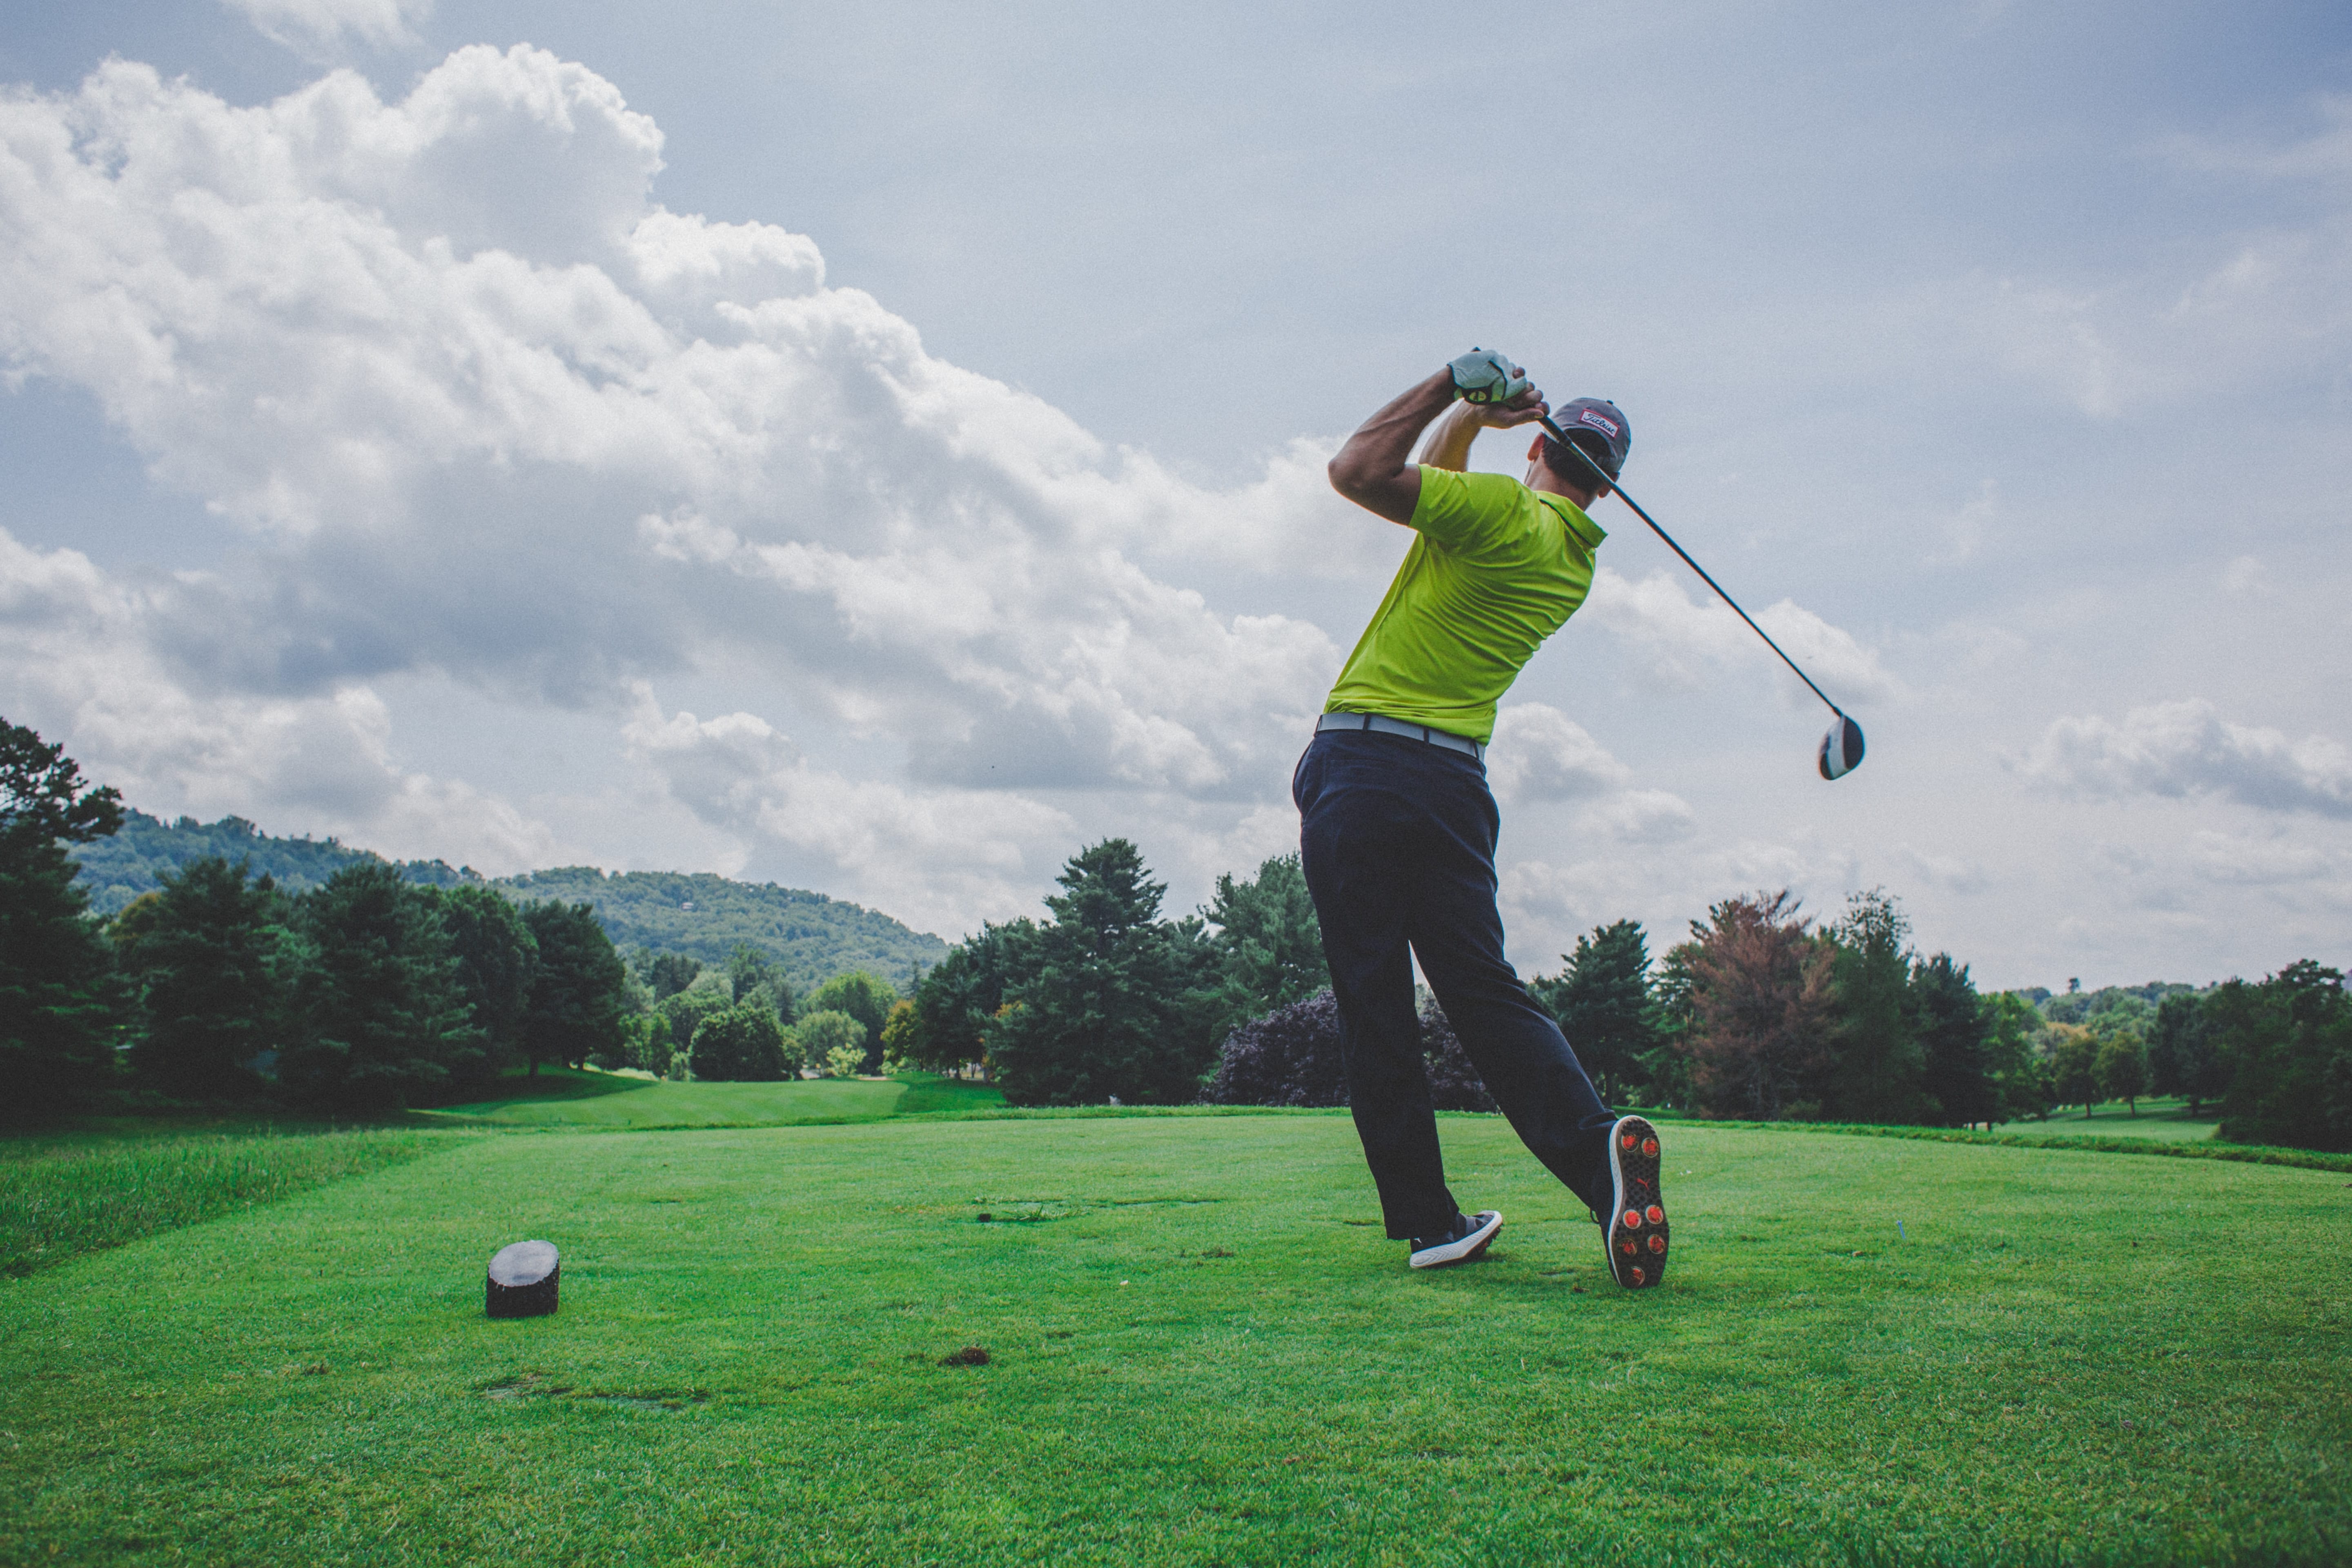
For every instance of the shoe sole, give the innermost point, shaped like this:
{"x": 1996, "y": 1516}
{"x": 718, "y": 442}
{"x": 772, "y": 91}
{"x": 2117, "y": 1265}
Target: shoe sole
{"x": 1461, "y": 1251}
{"x": 1638, "y": 1236}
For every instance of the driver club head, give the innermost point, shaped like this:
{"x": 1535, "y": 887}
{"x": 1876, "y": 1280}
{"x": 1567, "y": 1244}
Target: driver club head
{"x": 1840, "y": 749}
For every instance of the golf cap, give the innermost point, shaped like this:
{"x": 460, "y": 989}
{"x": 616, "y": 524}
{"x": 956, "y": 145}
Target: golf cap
{"x": 1602, "y": 418}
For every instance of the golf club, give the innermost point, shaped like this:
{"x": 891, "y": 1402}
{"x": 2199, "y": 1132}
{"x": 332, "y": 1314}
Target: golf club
{"x": 1841, "y": 747}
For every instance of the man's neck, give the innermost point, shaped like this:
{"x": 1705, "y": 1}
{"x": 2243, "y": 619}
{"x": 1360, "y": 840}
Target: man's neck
{"x": 1541, "y": 478}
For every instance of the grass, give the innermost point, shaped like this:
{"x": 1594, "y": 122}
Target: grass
{"x": 1200, "y": 1348}
{"x": 63, "y": 1197}
{"x": 2168, "y": 1119}
{"x": 557, "y": 1097}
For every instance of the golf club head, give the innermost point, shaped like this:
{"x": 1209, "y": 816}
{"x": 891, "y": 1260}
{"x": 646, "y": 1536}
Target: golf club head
{"x": 1840, "y": 749}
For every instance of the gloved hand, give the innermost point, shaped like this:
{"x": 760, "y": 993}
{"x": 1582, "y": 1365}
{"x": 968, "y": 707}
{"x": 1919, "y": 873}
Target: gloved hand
{"x": 1484, "y": 376}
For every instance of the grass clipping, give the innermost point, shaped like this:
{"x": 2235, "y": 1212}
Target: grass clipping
{"x": 61, "y": 1201}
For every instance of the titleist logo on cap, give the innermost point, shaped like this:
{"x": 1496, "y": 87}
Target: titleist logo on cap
{"x": 1598, "y": 421}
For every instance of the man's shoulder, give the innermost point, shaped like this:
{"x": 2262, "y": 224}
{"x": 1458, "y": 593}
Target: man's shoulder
{"x": 1452, "y": 501}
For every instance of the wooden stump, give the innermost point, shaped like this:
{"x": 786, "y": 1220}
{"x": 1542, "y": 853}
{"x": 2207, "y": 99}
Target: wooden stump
{"x": 522, "y": 1280}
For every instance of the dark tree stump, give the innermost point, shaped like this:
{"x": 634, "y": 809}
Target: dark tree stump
{"x": 522, "y": 1281}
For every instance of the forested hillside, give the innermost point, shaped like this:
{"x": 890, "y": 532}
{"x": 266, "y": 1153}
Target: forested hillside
{"x": 811, "y": 937}
{"x": 118, "y": 869}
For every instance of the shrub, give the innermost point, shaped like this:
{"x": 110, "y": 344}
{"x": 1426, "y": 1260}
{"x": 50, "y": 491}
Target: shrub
{"x": 742, "y": 1044}
{"x": 828, "y": 1038}
{"x": 1292, "y": 1057}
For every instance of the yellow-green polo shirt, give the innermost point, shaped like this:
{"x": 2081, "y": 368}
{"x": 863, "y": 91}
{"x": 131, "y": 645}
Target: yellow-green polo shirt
{"x": 1497, "y": 569}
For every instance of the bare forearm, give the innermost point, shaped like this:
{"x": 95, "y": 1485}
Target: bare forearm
{"x": 1449, "y": 439}
{"x": 1374, "y": 468}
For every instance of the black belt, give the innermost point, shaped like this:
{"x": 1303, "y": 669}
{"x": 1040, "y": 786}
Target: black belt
{"x": 1381, "y": 723}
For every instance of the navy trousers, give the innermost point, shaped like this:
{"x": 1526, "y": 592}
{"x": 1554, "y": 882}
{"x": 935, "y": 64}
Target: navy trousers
{"x": 1398, "y": 840}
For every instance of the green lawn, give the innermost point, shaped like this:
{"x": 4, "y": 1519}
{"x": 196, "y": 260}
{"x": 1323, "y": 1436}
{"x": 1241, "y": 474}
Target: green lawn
{"x": 1200, "y": 1349}
{"x": 557, "y": 1098}
{"x": 2165, "y": 1119}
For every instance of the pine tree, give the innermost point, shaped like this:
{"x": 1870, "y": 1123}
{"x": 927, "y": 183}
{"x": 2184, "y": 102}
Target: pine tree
{"x": 210, "y": 953}
{"x": 1268, "y": 944}
{"x": 1122, "y": 1004}
{"x": 497, "y": 961}
{"x": 384, "y": 1022}
{"x": 1955, "y": 1033}
{"x": 1879, "y": 1062}
{"x": 1603, "y": 1003}
{"x": 58, "y": 995}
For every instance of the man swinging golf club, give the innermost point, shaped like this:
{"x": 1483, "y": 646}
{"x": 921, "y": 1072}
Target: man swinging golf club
{"x": 1398, "y": 828}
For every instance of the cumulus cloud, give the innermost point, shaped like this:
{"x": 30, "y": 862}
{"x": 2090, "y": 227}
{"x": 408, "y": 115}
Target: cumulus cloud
{"x": 318, "y": 28}
{"x": 486, "y": 412}
{"x": 1541, "y": 753}
{"x": 1683, "y": 640}
{"x": 81, "y": 665}
{"x": 2187, "y": 750}
{"x": 933, "y": 857}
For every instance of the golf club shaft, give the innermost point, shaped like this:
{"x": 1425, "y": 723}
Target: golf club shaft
{"x": 1602, "y": 475}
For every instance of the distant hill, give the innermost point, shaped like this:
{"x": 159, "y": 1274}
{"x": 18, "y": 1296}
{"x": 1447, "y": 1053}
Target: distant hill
{"x": 812, "y": 937}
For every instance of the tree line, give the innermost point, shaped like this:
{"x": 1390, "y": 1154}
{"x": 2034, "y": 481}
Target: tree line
{"x": 812, "y": 936}
{"x": 367, "y": 992}
{"x": 1759, "y": 1013}
{"x": 370, "y": 991}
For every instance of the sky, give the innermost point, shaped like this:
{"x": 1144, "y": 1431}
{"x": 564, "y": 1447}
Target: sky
{"x": 879, "y": 450}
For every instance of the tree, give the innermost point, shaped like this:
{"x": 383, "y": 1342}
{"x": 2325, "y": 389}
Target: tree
{"x": 832, "y": 1041}
{"x": 682, "y": 1013}
{"x": 384, "y": 1024}
{"x": 579, "y": 993}
{"x": 1879, "y": 1062}
{"x": 1603, "y": 1003}
{"x": 210, "y": 957}
{"x": 2074, "y": 1066}
{"x": 1761, "y": 997}
{"x": 958, "y": 1000}
{"x": 2289, "y": 1042}
{"x": 2182, "y": 1056}
{"x": 1268, "y": 944}
{"x": 865, "y": 998}
{"x": 58, "y": 995}
{"x": 2020, "y": 1079}
{"x": 497, "y": 962}
{"x": 744, "y": 1044}
{"x": 751, "y": 976}
{"x": 671, "y": 973}
{"x": 1954, "y": 1031}
{"x": 2121, "y": 1066}
{"x": 901, "y": 1036}
{"x": 1121, "y": 1003}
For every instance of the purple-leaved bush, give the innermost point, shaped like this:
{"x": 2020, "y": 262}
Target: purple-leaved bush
{"x": 1291, "y": 1057}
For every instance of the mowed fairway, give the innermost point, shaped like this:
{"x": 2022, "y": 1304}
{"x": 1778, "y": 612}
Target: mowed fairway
{"x": 1202, "y": 1349}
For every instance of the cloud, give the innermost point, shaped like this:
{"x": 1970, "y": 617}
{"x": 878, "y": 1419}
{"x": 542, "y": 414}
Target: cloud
{"x": 934, "y": 857}
{"x": 79, "y": 667}
{"x": 1682, "y": 641}
{"x": 1541, "y": 753}
{"x": 2326, "y": 155}
{"x": 482, "y": 412}
{"x": 2187, "y": 750}
{"x": 317, "y": 28}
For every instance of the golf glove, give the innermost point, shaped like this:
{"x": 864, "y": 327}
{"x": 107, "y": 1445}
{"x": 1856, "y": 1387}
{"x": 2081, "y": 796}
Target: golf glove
{"x": 1482, "y": 375}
